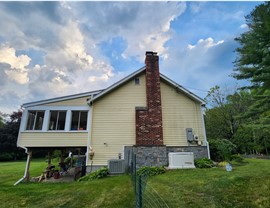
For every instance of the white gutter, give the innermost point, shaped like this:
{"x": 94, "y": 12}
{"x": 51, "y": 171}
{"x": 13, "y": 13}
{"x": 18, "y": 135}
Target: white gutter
{"x": 26, "y": 167}
{"x": 204, "y": 134}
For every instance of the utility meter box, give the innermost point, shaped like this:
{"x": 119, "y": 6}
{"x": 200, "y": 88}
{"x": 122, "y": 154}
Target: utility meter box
{"x": 189, "y": 133}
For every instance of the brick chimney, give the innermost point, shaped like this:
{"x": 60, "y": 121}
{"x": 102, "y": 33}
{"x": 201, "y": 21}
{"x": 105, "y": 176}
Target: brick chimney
{"x": 149, "y": 119}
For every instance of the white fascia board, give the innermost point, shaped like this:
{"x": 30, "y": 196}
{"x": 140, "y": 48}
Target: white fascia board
{"x": 117, "y": 84}
{"x": 58, "y": 107}
{"x": 184, "y": 90}
{"x": 63, "y": 98}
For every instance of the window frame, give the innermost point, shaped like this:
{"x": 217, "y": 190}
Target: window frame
{"x": 57, "y": 119}
{"x": 35, "y": 120}
{"x": 79, "y": 120}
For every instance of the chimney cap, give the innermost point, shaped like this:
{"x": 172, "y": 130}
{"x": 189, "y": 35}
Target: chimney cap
{"x": 150, "y": 53}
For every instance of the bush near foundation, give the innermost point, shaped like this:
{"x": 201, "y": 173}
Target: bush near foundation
{"x": 151, "y": 171}
{"x": 98, "y": 174}
{"x": 204, "y": 163}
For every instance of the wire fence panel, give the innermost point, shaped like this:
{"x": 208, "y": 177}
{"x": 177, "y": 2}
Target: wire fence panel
{"x": 145, "y": 195}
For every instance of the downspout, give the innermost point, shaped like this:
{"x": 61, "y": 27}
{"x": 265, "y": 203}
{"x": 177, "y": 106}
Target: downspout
{"x": 26, "y": 166}
{"x": 89, "y": 148}
{"x": 26, "y": 150}
{"x": 204, "y": 134}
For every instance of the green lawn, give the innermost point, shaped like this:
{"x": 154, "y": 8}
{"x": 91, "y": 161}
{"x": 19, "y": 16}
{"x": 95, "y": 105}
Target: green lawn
{"x": 113, "y": 191}
{"x": 246, "y": 186}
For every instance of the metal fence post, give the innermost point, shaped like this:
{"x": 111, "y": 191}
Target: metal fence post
{"x": 134, "y": 173}
{"x": 140, "y": 191}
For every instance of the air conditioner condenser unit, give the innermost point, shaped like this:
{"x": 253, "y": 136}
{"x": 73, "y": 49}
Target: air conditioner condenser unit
{"x": 116, "y": 166}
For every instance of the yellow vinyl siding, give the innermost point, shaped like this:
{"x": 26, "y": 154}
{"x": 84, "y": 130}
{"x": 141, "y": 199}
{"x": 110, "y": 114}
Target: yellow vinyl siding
{"x": 114, "y": 120}
{"x": 72, "y": 102}
{"x": 178, "y": 113}
{"x": 53, "y": 139}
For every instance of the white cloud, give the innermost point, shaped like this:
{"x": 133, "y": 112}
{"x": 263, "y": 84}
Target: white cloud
{"x": 72, "y": 55}
{"x": 67, "y": 59}
{"x": 152, "y": 31}
{"x": 17, "y": 70}
{"x": 48, "y": 82}
{"x": 31, "y": 24}
{"x": 243, "y": 26}
{"x": 104, "y": 77}
{"x": 19, "y": 76}
{"x": 66, "y": 70}
{"x": 7, "y": 55}
{"x": 207, "y": 43}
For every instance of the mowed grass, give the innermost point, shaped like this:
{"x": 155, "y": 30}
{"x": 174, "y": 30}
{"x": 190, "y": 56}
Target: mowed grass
{"x": 248, "y": 185}
{"x": 115, "y": 191}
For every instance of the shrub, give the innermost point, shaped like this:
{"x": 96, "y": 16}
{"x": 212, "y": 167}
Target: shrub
{"x": 221, "y": 149}
{"x": 100, "y": 173}
{"x": 237, "y": 158}
{"x": 222, "y": 164}
{"x": 151, "y": 171}
{"x": 204, "y": 163}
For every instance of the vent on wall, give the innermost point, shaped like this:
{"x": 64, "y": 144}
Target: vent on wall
{"x": 181, "y": 160}
{"x": 116, "y": 166}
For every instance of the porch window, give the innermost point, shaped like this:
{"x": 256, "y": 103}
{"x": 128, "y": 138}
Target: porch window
{"x": 35, "y": 120}
{"x": 57, "y": 120}
{"x": 79, "y": 120}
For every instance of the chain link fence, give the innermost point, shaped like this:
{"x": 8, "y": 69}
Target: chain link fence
{"x": 145, "y": 195}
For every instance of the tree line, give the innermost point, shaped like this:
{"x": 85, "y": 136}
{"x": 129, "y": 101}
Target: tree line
{"x": 9, "y": 130}
{"x": 229, "y": 129}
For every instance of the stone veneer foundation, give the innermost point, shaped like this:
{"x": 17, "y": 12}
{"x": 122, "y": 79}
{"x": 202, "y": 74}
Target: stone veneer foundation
{"x": 158, "y": 155}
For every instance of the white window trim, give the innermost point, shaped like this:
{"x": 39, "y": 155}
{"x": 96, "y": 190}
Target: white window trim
{"x": 47, "y": 109}
{"x": 68, "y": 121}
{"x": 79, "y": 119}
{"x": 58, "y": 111}
{"x": 35, "y": 120}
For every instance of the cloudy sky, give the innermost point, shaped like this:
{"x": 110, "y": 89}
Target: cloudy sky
{"x": 50, "y": 49}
